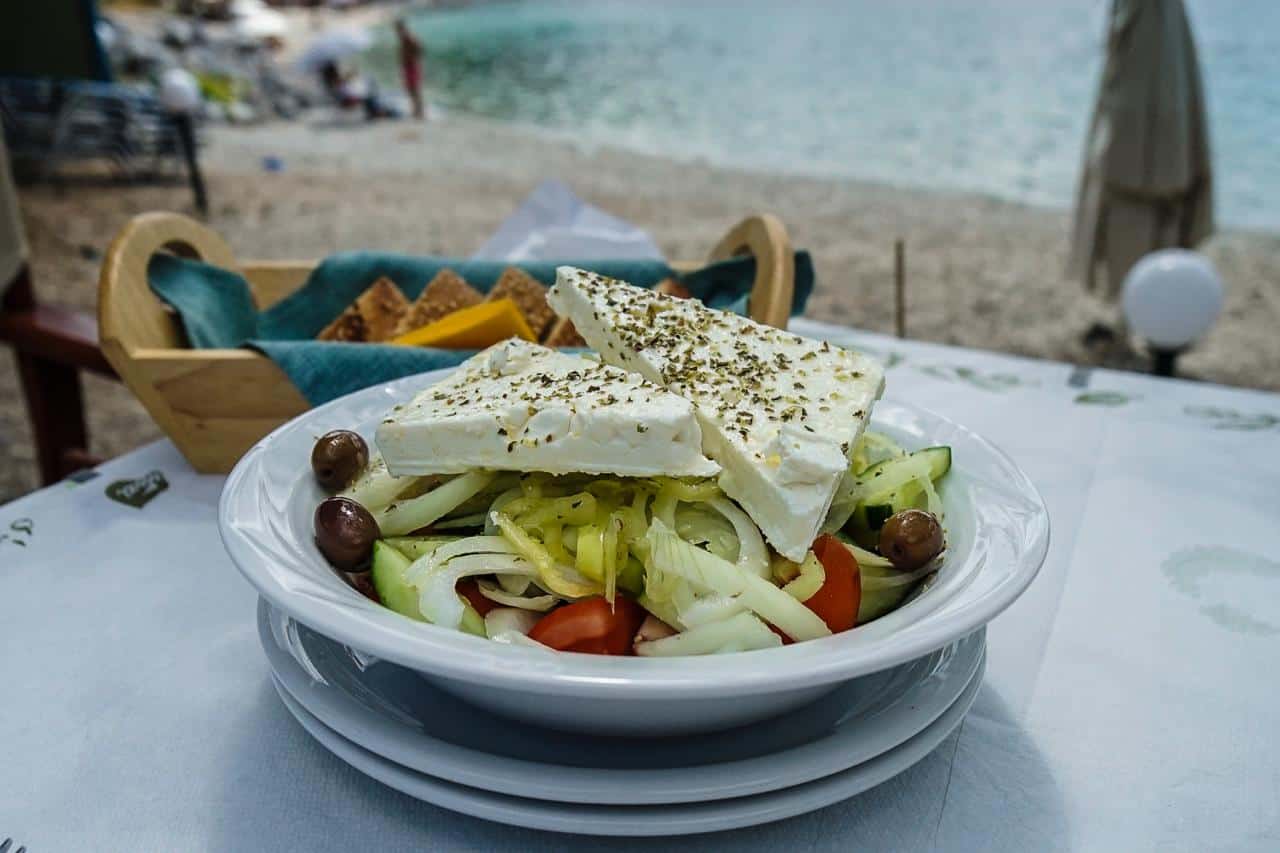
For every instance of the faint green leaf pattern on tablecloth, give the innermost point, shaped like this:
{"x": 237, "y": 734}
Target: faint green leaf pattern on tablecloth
{"x": 984, "y": 381}
{"x": 1212, "y": 572}
{"x": 19, "y": 532}
{"x": 138, "y": 492}
{"x": 1221, "y": 418}
{"x": 1106, "y": 398}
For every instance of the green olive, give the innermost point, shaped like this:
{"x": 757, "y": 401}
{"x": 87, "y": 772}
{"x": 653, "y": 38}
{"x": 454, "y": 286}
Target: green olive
{"x": 911, "y": 538}
{"x": 345, "y": 533}
{"x": 338, "y": 458}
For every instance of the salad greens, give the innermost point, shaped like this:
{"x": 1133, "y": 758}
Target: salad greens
{"x": 507, "y": 551}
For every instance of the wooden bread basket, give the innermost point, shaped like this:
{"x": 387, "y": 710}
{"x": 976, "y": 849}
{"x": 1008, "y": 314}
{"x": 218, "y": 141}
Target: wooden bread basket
{"x": 214, "y": 404}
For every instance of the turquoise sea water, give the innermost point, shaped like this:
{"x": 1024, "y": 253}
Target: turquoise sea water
{"x": 985, "y": 95}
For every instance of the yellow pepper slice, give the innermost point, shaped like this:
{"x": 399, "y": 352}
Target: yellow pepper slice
{"x": 472, "y": 328}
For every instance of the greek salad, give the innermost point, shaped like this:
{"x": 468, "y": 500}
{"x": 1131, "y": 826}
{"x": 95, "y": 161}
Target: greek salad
{"x": 703, "y": 484}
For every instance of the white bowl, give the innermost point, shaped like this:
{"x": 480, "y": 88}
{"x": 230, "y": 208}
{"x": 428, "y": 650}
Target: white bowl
{"x": 998, "y": 533}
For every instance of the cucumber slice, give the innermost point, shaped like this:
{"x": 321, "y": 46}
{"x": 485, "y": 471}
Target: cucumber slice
{"x": 389, "y": 569}
{"x": 877, "y": 514}
{"x": 905, "y": 497}
{"x": 473, "y": 622}
{"x": 390, "y": 565}
{"x": 892, "y": 486}
{"x": 888, "y": 476}
{"x": 896, "y": 482}
{"x": 877, "y": 602}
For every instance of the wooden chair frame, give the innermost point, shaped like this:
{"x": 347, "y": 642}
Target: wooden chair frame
{"x": 51, "y": 345}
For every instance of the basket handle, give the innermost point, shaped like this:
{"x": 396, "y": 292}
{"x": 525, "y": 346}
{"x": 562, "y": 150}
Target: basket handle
{"x": 764, "y": 237}
{"x": 130, "y": 315}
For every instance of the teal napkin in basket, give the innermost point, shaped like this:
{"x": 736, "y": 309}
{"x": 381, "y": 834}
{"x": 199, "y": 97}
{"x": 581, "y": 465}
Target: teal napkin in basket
{"x": 216, "y": 308}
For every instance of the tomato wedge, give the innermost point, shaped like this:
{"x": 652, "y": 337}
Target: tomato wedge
{"x": 470, "y": 590}
{"x": 591, "y": 626}
{"x": 836, "y": 601}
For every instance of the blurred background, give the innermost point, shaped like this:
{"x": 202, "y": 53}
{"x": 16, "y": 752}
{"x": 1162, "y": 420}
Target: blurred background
{"x": 964, "y": 130}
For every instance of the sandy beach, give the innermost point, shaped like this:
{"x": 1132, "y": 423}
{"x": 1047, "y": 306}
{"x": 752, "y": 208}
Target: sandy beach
{"x": 981, "y": 272}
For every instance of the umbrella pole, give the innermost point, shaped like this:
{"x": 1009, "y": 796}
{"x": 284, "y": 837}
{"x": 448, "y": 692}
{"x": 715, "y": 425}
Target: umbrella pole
{"x": 1164, "y": 362}
{"x": 900, "y": 288}
{"x": 187, "y": 141}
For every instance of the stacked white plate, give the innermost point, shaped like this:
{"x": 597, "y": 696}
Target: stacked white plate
{"x": 614, "y": 745}
{"x": 395, "y": 726}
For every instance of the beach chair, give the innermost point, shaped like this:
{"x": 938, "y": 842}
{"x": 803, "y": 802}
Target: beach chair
{"x": 51, "y": 345}
{"x": 59, "y": 104}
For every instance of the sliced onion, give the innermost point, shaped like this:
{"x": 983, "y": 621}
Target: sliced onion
{"x": 490, "y": 528}
{"x": 376, "y": 487}
{"x": 438, "y": 598}
{"x": 742, "y": 632}
{"x": 514, "y": 584}
{"x": 707, "y": 572}
{"x": 409, "y": 515}
{"x": 537, "y": 603}
{"x": 502, "y": 620}
{"x": 710, "y": 608}
{"x": 457, "y": 548}
{"x": 865, "y": 557}
{"x": 871, "y": 582}
{"x": 752, "y": 555}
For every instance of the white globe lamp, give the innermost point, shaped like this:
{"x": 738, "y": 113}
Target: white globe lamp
{"x": 179, "y": 91}
{"x": 1171, "y": 297}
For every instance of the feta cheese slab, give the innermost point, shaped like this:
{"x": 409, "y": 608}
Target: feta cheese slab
{"x": 519, "y": 406}
{"x": 779, "y": 412}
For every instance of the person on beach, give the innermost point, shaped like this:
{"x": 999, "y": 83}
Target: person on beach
{"x": 411, "y": 65}
{"x": 349, "y": 89}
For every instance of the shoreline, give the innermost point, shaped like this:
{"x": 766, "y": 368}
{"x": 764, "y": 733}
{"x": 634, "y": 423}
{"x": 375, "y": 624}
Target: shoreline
{"x": 981, "y": 272}
{"x": 304, "y": 24}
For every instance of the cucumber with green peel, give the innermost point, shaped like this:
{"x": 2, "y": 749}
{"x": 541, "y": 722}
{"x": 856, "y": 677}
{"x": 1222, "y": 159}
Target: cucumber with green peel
{"x": 905, "y": 497}
{"x": 473, "y": 622}
{"x": 883, "y": 587}
{"x": 391, "y": 565}
{"x": 891, "y": 474}
{"x": 894, "y": 484}
{"x": 874, "y": 602}
{"x": 890, "y": 486}
{"x": 877, "y": 514}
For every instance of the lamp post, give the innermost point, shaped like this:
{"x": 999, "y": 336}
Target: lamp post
{"x": 180, "y": 96}
{"x": 1171, "y": 297}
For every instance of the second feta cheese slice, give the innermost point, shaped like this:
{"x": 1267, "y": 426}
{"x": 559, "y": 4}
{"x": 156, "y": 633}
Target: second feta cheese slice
{"x": 779, "y": 412}
{"x": 519, "y": 406}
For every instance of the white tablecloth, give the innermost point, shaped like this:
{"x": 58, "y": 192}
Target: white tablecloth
{"x": 1131, "y": 702}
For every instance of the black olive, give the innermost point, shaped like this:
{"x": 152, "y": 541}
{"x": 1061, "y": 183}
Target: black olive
{"x": 345, "y": 532}
{"x": 338, "y": 458}
{"x": 911, "y": 538}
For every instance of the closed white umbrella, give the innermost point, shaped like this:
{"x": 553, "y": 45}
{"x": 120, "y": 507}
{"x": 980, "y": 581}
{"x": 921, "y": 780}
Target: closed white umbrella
{"x": 13, "y": 242}
{"x": 333, "y": 46}
{"x": 1147, "y": 182}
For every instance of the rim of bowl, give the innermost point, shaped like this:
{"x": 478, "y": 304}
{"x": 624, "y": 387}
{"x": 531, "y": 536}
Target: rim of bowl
{"x": 251, "y": 511}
